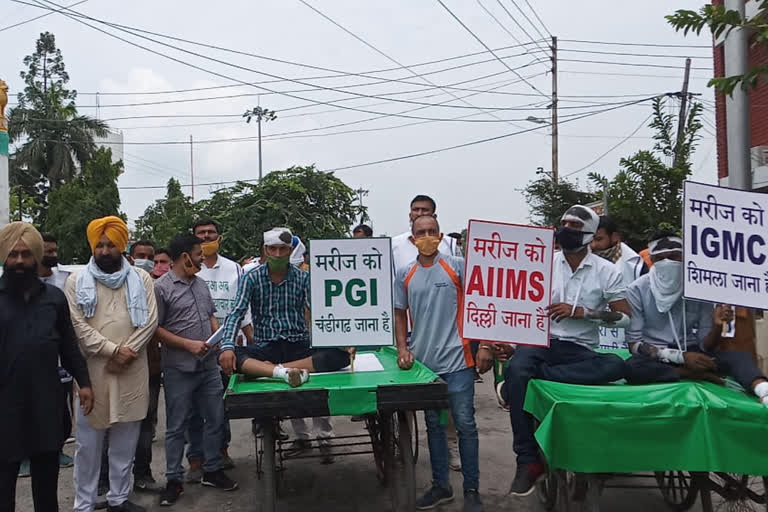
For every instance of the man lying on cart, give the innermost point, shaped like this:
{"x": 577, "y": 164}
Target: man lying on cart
{"x": 672, "y": 338}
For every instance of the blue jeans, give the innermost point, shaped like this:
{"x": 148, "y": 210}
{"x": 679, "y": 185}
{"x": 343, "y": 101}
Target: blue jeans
{"x": 194, "y": 434}
{"x": 183, "y": 392}
{"x": 461, "y": 394}
{"x": 563, "y": 361}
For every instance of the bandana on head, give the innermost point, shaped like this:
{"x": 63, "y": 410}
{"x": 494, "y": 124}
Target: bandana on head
{"x": 278, "y": 236}
{"x": 585, "y": 215}
{"x": 14, "y": 232}
{"x": 113, "y": 227}
{"x": 666, "y": 275}
{"x": 666, "y": 245}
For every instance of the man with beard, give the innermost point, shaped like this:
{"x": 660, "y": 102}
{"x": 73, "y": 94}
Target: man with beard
{"x": 35, "y": 332}
{"x": 673, "y": 338}
{"x": 587, "y": 291}
{"x": 114, "y": 315}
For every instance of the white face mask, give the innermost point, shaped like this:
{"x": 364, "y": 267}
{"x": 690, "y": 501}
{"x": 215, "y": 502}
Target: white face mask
{"x": 146, "y": 265}
{"x": 666, "y": 283}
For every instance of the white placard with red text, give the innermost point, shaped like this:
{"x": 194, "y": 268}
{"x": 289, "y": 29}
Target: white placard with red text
{"x": 507, "y": 285}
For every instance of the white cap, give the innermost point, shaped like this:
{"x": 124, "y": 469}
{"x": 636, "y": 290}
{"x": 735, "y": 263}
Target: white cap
{"x": 278, "y": 236}
{"x": 586, "y": 216}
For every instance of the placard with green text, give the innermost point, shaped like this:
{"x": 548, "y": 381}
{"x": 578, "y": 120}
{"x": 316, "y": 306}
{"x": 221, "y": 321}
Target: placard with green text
{"x": 351, "y": 292}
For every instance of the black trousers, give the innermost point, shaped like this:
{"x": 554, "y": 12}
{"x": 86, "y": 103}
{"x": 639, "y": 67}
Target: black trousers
{"x": 44, "y": 468}
{"x": 144, "y": 446}
{"x": 739, "y": 365}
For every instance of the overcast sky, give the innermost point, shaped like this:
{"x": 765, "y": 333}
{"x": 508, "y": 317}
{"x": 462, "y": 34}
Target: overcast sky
{"x": 481, "y": 181}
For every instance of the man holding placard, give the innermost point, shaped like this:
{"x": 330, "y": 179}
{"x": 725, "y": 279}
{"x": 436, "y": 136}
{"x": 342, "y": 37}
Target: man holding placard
{"x": 431, "y": 288}
{"x": 278, "y": 294}
{"x": 673, "y": 338}
{"x": 583, "y": 284}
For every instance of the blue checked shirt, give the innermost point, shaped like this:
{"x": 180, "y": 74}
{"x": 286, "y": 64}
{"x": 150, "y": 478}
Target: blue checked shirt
{"x": 277, "y": 309}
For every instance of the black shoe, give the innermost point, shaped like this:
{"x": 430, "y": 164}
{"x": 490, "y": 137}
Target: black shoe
{"x": 472, "y": 502}
{"x": 434, "y": 497}
{"x": 126, "y": 506}
{"x": 146, "y": 483}
{"x": 173, "y": 490}
{"x": 100, "y": 505}
{"x": 219, "y": 480}
{"x": 298, "y": 447}
{"x": 525, "y": 479}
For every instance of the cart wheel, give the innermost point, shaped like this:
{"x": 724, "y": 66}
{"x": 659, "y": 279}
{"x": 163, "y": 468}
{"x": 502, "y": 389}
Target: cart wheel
{"x": 678, "y": 488}
{"x": 267, "y": 496}
{"x": 737, "y": 493}
{"x": 400, "y": 471}
{"x": 373, "y": 425}
{"x": 414, "y": 421}
{"x": 546, "y": 490}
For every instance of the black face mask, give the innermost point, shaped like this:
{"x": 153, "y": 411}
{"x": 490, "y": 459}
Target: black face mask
{"x": 570, "y": 239}
{"x": 50, "y": 261}
{"x": 20, "y": 282}
{"x": 108, "y": 264}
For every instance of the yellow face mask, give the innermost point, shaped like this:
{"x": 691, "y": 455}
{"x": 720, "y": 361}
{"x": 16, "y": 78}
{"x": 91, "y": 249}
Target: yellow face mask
{"x": 427, "y": 245}
{"x": 210, "y": 248}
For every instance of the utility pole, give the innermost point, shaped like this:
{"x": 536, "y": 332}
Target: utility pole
{"x": 192, "y": 167}
{"x": 681, "y": 119}
{"x": 555, "y": 163}
{"x": 737, "y": 105}
{"x": 5, "y": 191}
{"x": 361, "y": 192}
{"x": 260, "y": 114}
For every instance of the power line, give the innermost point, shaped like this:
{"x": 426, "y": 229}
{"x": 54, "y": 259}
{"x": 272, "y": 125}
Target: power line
{"x": 30, "y": 20}
{"x": 632, "y": 64}
{"x": 528, "y": 20}
{"x": 425, "y": 153}
{"x": 641, "y": 75}
{"x": 485, "y": 46}
{"x": 319, "y": 102}
{"x": 618, "y": 43}
{"x": 522, "y": 28}
{"x": 629, "y": 54}
{"x": 622, "y": 141}
{"x": 500, "y": 24}
{"x": 537, "y": 17}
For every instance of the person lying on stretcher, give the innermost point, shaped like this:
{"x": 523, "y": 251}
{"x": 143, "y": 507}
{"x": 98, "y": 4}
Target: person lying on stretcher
{"x": 672, "y": 338}
{"x": 278, "y": 294}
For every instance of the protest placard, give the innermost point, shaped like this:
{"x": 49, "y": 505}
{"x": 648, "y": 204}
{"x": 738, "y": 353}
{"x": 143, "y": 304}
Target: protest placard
{"x": 351, "y": 282}
{"x": 725, "y": 245}
{"x": 507, "y": 284}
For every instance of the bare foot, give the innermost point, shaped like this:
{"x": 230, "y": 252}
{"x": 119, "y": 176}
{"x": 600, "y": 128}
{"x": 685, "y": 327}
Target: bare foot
{"x": 296, "y": 377}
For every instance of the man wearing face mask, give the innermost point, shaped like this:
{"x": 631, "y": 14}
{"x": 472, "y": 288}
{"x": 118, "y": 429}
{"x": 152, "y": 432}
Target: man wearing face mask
{"x": 35, "y": 333}
{"x": 431, "y": 288}
{"x": 114, "y": 315}
{"x": 192, "y": 380}
{"x": 672, "y": 338}
{"x": 403, "y": 250}
{"x": 222, "y": 276}
{"x": 587, "y": 291}
{"x": 278, "y": 296}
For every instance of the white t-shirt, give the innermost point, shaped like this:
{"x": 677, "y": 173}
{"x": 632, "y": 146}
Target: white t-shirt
{"x": 404, "y": 252}
{"x": 58, "y": 278}
{"x": 222, "y": 280}
{"x": 595, "y": 284}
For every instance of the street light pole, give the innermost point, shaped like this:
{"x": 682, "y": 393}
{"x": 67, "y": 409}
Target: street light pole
{"x": 260, "y": 114}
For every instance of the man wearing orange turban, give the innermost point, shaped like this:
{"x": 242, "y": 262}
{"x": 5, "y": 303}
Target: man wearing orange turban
{"x": 114, "y": 315}
{"x": 35, "y": 332}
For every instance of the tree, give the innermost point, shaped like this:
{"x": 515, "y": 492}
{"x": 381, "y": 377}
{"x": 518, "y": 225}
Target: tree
{"x": 721, "y": 21}
{"x": 56, "y": 142}
{"x": 168, "y": 217}
{"x": 91, "y": 195}
{"x": 646, "y": 194}
{"x": 313, "y": 204}
{"x": 548, "y": 200}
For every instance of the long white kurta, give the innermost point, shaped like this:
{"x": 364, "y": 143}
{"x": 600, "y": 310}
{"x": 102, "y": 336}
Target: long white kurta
{"x": 118, "y": 397}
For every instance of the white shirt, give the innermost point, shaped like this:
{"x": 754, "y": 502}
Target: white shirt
{"x": 595, "y": 284}
{"x": 404, "y": 252}
{"x": 222, "y": 280}
{"x": 58, "y": 278}
{"x": 630, "y": 264}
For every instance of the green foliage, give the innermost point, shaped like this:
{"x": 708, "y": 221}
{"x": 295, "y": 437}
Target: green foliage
{"x": 548, "y": 201}
{"x": 313, "y": 204}
{"x": 53, "y": 142}
{"x": 720, "y": 22}
{"x": 646, "y": 194}
{"x": 91, "y": 195}
{"x": 168, "y": 217}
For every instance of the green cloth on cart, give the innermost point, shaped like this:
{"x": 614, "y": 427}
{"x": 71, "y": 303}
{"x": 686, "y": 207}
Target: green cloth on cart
{"x": 686, "y": 426}
{"x": 349, "y": 394}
